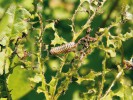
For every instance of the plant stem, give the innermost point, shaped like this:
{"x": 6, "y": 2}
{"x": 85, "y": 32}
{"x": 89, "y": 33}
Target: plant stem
{"x": 73, "y": 18}
{"x": 103, "y": 78}
{"x": 87, "y": 24}
{"x": 113, "y": 83}
{"x": 40, "y": 59}
{"x": 57, "y": 79}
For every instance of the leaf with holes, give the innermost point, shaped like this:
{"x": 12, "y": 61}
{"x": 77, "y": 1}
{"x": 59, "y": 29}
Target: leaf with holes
{"x": 57, "y": 40}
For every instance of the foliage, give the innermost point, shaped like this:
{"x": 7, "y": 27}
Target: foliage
{"x": 98, "y": 67}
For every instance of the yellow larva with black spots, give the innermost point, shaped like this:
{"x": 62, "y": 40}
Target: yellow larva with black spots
{"x": 65, "y": 48}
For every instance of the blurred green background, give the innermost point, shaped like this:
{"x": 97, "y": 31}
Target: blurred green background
{"x": 20, "y": 86}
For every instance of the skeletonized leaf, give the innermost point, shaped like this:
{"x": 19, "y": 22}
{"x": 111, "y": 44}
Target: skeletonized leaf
{"x": 14, "y": 22}
{"x": 90, "y": 76}
{"x": 111, "y": 51}
{"x": 51, "y": 25}
{"x": 37, "y": 78}
{"x": 6, "y": 24}
{"x": 128, "y": 35}
{"x": 57, "y": 40}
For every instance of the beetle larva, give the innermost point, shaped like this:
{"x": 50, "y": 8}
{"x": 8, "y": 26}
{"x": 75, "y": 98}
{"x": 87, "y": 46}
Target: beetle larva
{"x": 65, "y": 48}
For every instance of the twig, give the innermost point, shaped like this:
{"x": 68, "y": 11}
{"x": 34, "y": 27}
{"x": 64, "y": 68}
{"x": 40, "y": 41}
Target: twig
{"x": 87, "y": 24}
{"x": 40, "y": 58}
{"x": 73, "y": 18}
{"x": 112, "y": 84}
{"x": 57, "y": 79}
{"x": 103, "y": 78}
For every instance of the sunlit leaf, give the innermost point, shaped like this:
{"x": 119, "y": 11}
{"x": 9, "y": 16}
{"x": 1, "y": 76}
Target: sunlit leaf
{"x": 84, "y": 1}
{"x": 51, "y": 25}
{"x": 54, "y": 65}
{"x": 3, "y": 98}
{"x": 90, "y": 76}
{"x": 37, "y": 78}
{"x": 40, "y": 89}
{"x": 7, "y": 65}
{"x": 15, "y": 21}
{"x": 20, "y": 51}
{"x": 6, "y": 24}
{"x": 57, "y": 40}
{"x": 8, "y": 51}
{"x": 129, "y": 16}
{"x": 111, "y": 51}
{"x": 52, "y": 85}
{"x": 2, "y": 59}
{"x": 128, "y": 35}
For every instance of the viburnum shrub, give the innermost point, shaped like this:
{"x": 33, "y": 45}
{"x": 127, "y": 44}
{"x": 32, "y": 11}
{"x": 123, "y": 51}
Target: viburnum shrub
{"x": 90, "y": 47}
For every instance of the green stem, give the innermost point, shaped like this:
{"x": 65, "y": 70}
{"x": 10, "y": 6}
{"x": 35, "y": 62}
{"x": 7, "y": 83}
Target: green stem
{"x": 57, "y": 79}
{"x": 112, "y": 84}
{"x": 73, "y": 18}
{"x": 103, "y": 78}
{"x": 64, "y": 85}
{"x": 87, "y": 24}
{"x": 44, "y": 84}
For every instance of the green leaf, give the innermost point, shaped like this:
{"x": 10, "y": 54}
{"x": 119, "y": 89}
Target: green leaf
{"x": 40, "y": 89}
{"x": 128, "y": 35}
{"x": 116, "y": 43}
{"x": 57, "y": 40}
{"x": 84, "y": 1}
{"x": 6, "y": 24}
{"x": 53, "y": 82}
{"x": 109, "y": 96}
{"x": 91, "y": 76}
{"x": 19, "y": 84}
{"x": 124, "y": 92}
{"x": 20, "y": 51}
{"x": 51, "y": 25}
{"x": 20, "y": 23}
{"x": 129, "y": 16}
{"x": 54, "y": 64}
{"x": 37, "y": 78}
{"x": 14, "y": 22}
{"x": 52, "y": 85}
{"x": 76, "y": 95}
{"x": 7, "y": 65}
{"x": 64, "y": 85}
{"x": 8, "y": 51}
{"x": 2, "y": 59}
{"x": 125, "y": 81}
{"x": 111, "y": 51}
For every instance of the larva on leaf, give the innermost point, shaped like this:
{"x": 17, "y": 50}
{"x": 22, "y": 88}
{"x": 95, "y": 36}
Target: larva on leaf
{"x": 65, "y": 48}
